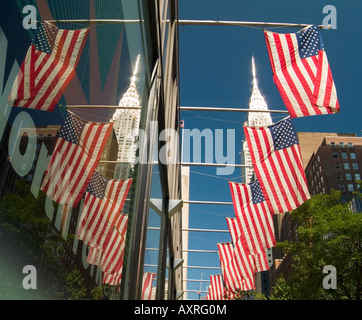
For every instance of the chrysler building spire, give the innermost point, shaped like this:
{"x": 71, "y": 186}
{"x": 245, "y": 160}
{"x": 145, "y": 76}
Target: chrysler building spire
{"x": 257, "y": 102}
{"x": 126, "y": 120}
{"x": 255, "y": 119}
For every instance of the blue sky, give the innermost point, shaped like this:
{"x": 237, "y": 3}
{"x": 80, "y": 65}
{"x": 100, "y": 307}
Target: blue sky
{"x": 215, "y": 71}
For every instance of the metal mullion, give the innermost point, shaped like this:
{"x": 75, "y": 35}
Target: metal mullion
{"x": 215, "y": 164}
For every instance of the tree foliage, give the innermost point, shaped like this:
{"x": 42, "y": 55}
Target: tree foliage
{"x": 31, "y": 234}
{"x": 328, "y": 234}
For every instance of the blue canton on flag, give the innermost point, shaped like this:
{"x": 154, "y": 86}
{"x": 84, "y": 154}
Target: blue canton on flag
{"x": 309, "y": 42}
{"x": 72, "y": 129}
{"x": 97, "y": 185}
{"x": 283, "y": 135}
{"x": 40, "y": 41}
{"x": 257, "y": 194}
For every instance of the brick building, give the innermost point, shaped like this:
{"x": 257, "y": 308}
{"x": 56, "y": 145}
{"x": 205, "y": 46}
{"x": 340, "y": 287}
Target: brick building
{"x": 336, "y": 164}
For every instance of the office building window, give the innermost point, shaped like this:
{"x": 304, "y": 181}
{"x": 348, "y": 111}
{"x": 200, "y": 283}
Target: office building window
{"x": 343, "y": 198}
{"x": 357, "y": 176}
{"x": 348, "y": 176}
{"x": 355, "y": 166}
{"x": 346, "y": 166}
{"x": 350, "y": 187}
{"x": 353, "y": 155}
{"x": 344, "y": 155}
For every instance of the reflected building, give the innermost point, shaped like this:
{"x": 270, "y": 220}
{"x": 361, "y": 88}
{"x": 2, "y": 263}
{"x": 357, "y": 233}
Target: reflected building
{"x": 126, "y": 127}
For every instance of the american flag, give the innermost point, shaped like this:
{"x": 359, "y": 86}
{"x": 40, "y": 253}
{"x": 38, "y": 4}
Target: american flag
{"x": 217, "y": 290}
{"x": 75, "y": 157}
{"x": 49, "y": 65}
{"x": 237, "y": 268}
{"x": 278, "y": 165}
{"x": 148, "y": 292}
{"x": 259, "y": 258}
{"x": 208, "y": 295}
{"x": 302, "y": 73}
{"x": 110, "y": 256}
{"x": 112, "y": 279}
{"x": 253, "y": 221}
{"x": 104, "y": 200}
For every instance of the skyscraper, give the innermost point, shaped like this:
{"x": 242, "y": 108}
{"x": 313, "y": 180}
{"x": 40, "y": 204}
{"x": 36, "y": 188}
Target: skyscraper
{"x": 257, "y": 119}
{"x": 126, "y": 127}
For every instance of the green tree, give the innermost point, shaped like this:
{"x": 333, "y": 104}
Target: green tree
{"x": 75, "y": 286}
{"x": 328, "y": 234}
{"x": 26, "y": 228}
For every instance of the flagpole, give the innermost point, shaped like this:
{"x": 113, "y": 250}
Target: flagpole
{"x": 247, "y": 24}
{"x": 182, "y": 108}
{"x": 96, "y": 106}
{"x": 197, "y": 22}
{"x": 94, "y": 21}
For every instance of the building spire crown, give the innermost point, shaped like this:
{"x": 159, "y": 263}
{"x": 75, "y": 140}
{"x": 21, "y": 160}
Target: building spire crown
{"x": 257, "y": 102}
{"x": 131, "y": 97}
{"x": 255, "y": 81}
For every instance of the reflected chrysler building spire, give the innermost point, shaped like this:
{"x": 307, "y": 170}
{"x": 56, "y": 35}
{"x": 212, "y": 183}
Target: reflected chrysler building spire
{"x": 126, "y": 127}
{"x": 255, "y": 119}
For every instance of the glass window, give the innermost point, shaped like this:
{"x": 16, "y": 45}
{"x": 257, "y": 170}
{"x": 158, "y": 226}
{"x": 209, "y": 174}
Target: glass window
{"x": 350, "y": 144}
{"x": 350, "y": 187}
{"x": 353, "y": 155}
{"x": 341, "y": 144}
{"x": 106, "y": 73}
{"x": 346, "y": 165}
{"x": 344, "y": 155}
{"x": 339, "y": 176}
{"x": 343, "y": 198}
{"x": 357, "y": 176}
{"x": 335, "y": 155}
{"x": 337, "y": 165}
{"x": 333, "y": 144}
{"x": 349, "y": 176}
{"x": 341, "y": 186}
{"x": 355, "y": 166}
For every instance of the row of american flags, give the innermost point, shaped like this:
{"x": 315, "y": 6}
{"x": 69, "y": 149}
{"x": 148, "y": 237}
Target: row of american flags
{"x": 49, "y": 65}
{"x": 303, "y": 77}
{"x": 298, "y": 61}
{"x": 279, "y": 186}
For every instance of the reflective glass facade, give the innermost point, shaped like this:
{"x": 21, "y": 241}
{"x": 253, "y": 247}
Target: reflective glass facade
{"x": 127, "y": 75}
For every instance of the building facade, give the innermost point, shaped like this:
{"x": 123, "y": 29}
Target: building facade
{"x": 130, "y": 33}
{"x": 336, "y": 164}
